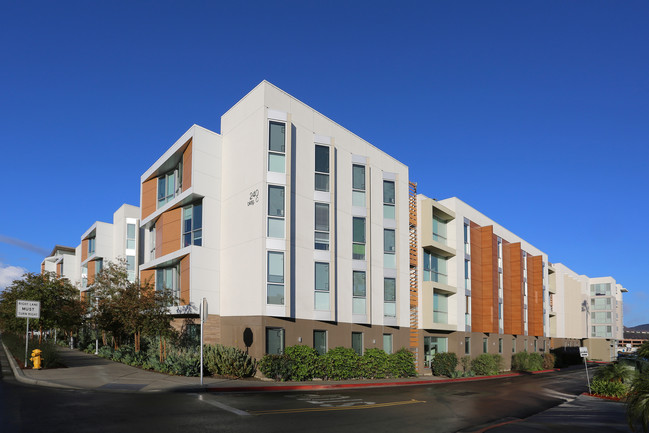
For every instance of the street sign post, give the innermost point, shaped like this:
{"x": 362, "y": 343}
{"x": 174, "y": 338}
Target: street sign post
{"x": 28, "y": 309}
{"x": 583, "y": 352}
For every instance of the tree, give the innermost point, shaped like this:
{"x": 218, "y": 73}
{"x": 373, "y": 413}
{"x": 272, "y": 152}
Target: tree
{"x": 129, "y": 309}
{"x": 61, "y": 307}
{"x": 614, "y": 372}
{"x": 637, "y": 410}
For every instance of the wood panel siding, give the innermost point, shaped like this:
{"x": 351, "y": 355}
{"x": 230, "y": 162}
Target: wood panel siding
{"x": 513, "y": 289}
{"x": 147, "y": 277}
{"x": 149, "y": 197}
{"x": 59, "y": 269}
{"x": 184, "y": 281}
{"x": 84, "y": 249}
{"x": 484, "y": 279}
{"x": 170, "y": 225}
{"x": 535, "y": 295}
{"x": 42, "y": 268}
{"x": 187, "y": 166}
{"x": 91, "y": 272}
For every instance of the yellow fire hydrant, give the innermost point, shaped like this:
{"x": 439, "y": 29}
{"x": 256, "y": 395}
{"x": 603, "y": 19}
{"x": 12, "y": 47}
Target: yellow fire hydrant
{"x": 36, "y": 359}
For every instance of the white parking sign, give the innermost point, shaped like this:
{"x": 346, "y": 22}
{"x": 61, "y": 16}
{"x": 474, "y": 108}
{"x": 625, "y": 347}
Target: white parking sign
{"x": 28, "y": 309}
{"x": 583, "y": 351}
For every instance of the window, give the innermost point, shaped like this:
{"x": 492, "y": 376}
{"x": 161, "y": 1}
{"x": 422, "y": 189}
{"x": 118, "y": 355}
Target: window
{"x": 439, "y": 229}
{"x": 152, "y": 236}
{"x": 433, "y": 345}
{"x": 170, "y": 185}
{"x": 388, "y": 200}
{"x": 602, "y": 331}
{"x": 467, "y": 314}
{"x": 321, "y": 226}
{"x": 600, "y": 304}
{"x": 322, "y": 286}
{"x": 99, "y": 265}
{"x": 467, "y": 239}
{"x": 91, "y": 246}
{"x": 169, "y": 279}
{"x": 193, "y": 224}
{"x": 389, "y": 249}
{"x": 435, "y": 268}
{"x": 440, "y": 308}
{"x": 277, "y": 147}
{"x": 320, "y": 342}
{"x": 467, "y": 275}
{"x": 500, "y": 254}
{"x": 130, "y": 268}
{"x": 603, "y": 289}
{"x": 500, "y": 345}
{"x": 275, "y": 341}
{"x": 601, "y": 316}
{"x": 389, "y": 297}
{"x": 357, "y": 342}
{"x": 84, "y": 276}
{"x": 275, "y": 278}
{"x": 525, "y": 345}
{"x": 387, "y": 343}
{"x": 358, "y": 247}
{"x": 535, "y": 345}
{"x": 513, "y": 345}
{"x": 359, "y": 293}
{"x": 130, "y": 236}
{"x": 485, "y": 345}
{"x": 275, "y": 211}
{"x": 358, "y": 185}
{"x": 467, "y": 345}
{"x": 321, "y": 168}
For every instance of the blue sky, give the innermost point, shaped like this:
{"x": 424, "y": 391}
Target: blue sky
{"x": 536, "y": 113}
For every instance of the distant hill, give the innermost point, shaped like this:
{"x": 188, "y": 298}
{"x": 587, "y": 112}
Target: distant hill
{"x": 644, "y": 327}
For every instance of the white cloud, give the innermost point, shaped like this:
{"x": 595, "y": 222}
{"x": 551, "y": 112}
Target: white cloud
{"x": 8, "y": 274}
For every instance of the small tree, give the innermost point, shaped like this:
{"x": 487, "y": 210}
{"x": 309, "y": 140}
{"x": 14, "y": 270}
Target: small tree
{"x": 637, "y": 410}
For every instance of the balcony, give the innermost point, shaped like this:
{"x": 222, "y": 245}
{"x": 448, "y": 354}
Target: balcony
{"x": 431, "y": 319}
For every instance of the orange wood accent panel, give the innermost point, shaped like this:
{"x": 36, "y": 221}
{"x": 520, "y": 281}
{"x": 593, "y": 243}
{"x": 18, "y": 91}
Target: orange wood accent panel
{"x": 149, "y": 196}
{"x": 84, "y": 249}
{"x": 171, "y": 225}
{"x": 187, "y": 166}
{"x": 184, "y": 280}
{"x": 535, "y": 295}
{"x": 513, "y": 289}
{"x": 42, "y": 268}
{"x": 83, "y": 296}
{"x": 59, "y": 269}
{"x": 91, "y": 272}
{"x": 484, "y": 279}
{"x": 147, "y": 277}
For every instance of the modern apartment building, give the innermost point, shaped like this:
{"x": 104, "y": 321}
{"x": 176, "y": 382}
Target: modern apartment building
{"x": 62, "y": 261}
{"x": 483, "y": 289}
{"x": 288, "y": 224}
{"x": 104, "y": 242}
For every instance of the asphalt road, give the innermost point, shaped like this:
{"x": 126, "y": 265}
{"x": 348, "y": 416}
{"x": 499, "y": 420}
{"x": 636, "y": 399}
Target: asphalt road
{"x": 448, "y": 407}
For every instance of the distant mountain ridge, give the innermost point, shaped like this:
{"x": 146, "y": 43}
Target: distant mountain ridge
{"x": 644, "y": 327}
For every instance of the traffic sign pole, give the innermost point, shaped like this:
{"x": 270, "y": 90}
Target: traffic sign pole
{"x": 26, "y": 341}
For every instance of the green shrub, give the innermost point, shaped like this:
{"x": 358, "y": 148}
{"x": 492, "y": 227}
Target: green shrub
{"x": 485, "y": 365}
{"x": 548, "y": 361}
{"x": 444, "y": 364}
{"x": 183, "y": 362}
{"x": 303, "y": 362}
{"x": 458, "y": 374}
{"x": 340, "y": 363}
{"x": 276, "y": 367}
{"x": 465, "y": 361}
{"x": 373, "y": 364}
{"x": 16, "y": 345}
{"x": 608, "y": 388}
{"x": 402, "y": 364}
{"x": 614, "y": 372}
{"x": 228, "y": 361}
{"x": 637, "y": 401}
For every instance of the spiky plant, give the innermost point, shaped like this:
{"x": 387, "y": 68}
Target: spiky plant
{"x": 637, "y": 410}
{"x": 615, "y": 372}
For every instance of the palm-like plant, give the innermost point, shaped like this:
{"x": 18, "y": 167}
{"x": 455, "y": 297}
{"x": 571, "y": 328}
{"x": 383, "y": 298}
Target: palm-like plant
{"x": 614, "y": 372}
{"x": 643, "y": 351}
{"x": 637, "y": 410}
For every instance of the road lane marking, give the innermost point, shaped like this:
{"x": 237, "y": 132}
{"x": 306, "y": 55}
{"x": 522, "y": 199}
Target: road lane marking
{"x": 223, "y": 406}
{"x": 325, "y": 409}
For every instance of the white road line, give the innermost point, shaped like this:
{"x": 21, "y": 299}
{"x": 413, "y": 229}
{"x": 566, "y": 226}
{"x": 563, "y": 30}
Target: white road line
{"x": 234, "y": 410}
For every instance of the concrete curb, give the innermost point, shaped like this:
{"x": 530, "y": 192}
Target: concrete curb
{"x": 20, "y": 376}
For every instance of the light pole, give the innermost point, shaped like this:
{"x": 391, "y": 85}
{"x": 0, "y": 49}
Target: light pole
{"x": 96, "y": 327}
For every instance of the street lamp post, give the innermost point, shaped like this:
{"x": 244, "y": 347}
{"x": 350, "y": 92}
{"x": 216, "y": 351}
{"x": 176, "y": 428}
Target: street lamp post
{"x": 96, "y": 327}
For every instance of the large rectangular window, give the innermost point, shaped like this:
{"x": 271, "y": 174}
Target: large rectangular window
{"x": 389, "y": 200}
{"x": 130, "y": 268}
{"x": 358, "y": 185}
{"x": 84, "y": 276}
{"x": 357, "y": 342}
{"x": 130, "y": 236}
{"x": 433, "y": 345}
{"x": 359, "y": 304}
{"x": 275, "y": 278}
{"x": 358, "y": 238}
{"x": 321, "y": 168}
{"x": 321, "y": 226}
{"x": 275, "y": 341}
{"x": 387, "y": 343}
{"x": 440, "y": 308}
{"x": 320, "y": 342}
{"x": 390, "y": 297}
{"x": 467, "y": 274}
{"x": 91, "y": 246}
{"x": 389, "y": 249}
{"x": 276, "y": 211}
{"x": 169, "y": 279}
{"x": 601, "y": 331}
{"x": 467, "y": 239}
{"x": 277, "y": 147}
{"x": 600, "y": 304}
{"x": 170, "y": 184}
{"x": 601, "y": 317}
{"x": 99, "y": 265}
{"x": 439, "y": 229}
{"x": 193, "y": 225}
{"x": 322, "y": 299}
{"x": 603, "y": 289}
{"x": 435, "y": 268}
